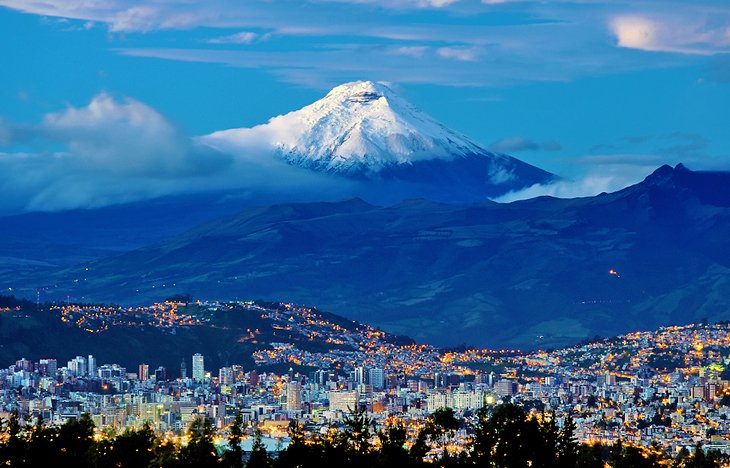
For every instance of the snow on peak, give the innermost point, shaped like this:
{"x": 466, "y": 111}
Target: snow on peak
{"x": 358, "y": 126}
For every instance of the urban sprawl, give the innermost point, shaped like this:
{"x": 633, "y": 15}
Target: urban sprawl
{"x": 667, "y": 386}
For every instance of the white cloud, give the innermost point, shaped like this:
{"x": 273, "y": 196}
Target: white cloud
{"x": 117, "y": 151}
{"x": 127, "y": 137}
{"x": 410, "y": 51}
{"x": 244, "y": 37}
{"x": 463, "y": 54}
{"x": 693, "y": 34}
{"x": 616, "y": 173}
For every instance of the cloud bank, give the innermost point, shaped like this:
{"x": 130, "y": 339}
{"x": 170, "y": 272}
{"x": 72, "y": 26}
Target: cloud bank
{"x": 608, "y": 174}
{"x": 115, "y": 151}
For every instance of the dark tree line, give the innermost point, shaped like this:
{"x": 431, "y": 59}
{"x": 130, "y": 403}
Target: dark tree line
{"x": 501, "y": 437}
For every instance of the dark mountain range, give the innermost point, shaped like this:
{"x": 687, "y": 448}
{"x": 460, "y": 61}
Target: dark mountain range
{"x": 539, "y": 272}
{"x": 48, "y": 241}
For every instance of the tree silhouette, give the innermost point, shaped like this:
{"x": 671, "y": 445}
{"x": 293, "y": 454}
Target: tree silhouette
{"x": 233, "y": 457}
{"x": 200, "y": 450}
{"x": 358, "y": 432}
{"x": 590, "y": 456}
{"x": 40, "y": 443}
{"x": 420, "y": 446}
{"x": 259, "y": 456}
{"x": 507, "y": 439}
{"x": 13, "y": 451}
{"x": 392, "y": 446}
{"x": 75, "y": 442}
{"x": 699, "y": 459}
{"x": 503, "y": 437}
{"x": 567, "y": 446}
{"x": 300, "y": 453}
{"x": 132, "y": 448}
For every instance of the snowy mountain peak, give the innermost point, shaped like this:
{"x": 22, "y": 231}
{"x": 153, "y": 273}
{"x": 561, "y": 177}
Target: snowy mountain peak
{"x": 360, "y": 92}
{"x": 366, "y": 132}
{"x": 357, "y": 128}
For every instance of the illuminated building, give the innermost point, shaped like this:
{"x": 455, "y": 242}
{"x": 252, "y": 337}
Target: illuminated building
{"x": 293, "y": 396}
{"x": 377, "y": 378}
{"x": 225, "y": 376}
{"x": 144, "y": 372}
{"x": 91, "y": 366}
{"x": 198, "y": 367}
{"x": 344, "y": 401}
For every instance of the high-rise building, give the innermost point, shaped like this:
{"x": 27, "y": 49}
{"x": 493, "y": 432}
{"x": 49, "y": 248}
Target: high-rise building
{"x": 24, "y": 364}
{"x": 225, "y": 376}
{"x": 412, "y": 385}
{"x": 198, "y": 367}
{"x": 91, "y": 366}
{"x": 320, "y": 376}
{"x": 377, "y": 379}
{"x": 505, "y": 388}
{"x": 51, "y": 366}
{"x": 362, "y": 375}
{"x": 161, "y": 374}
{"x": 293, "y": 396}
{"x": 77, "y": 366}
{"x": 183, "y": 370}
{"x": 344, "y": 400}
{"x": 144, "y": 372}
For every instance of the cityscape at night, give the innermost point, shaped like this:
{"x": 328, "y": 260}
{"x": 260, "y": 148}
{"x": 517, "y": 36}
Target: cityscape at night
{"x": 365, "y": 233}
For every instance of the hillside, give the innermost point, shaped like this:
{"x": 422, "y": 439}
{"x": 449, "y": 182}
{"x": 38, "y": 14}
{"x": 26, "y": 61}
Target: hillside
{"x": 169, "y": 332}
{"x": 540, "y": 272}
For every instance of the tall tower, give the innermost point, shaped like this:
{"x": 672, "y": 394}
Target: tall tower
{"x": 225, "y": 376}
{"x": 144, "y": 372}
{"x": 198, "y": 367}
{"x": 77, "y": 365}
{"x": 377, "y": 379}
{"x": 91, "y": 366}
{"x": 183, "y": 370}
{"x": 293, "y": 396}
{"x": 362, "y": 375}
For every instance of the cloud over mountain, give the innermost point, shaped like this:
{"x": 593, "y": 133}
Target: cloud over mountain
{"x": 120, "y": 150}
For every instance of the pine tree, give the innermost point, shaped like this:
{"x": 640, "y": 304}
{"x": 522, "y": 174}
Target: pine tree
{"x": 567, "y": 444}
{"x": 200, "y": 451}
{"x": 234, "y": 455}
{"x": 14, "y": 449}
{"x": 392, "y": 446}
{"x": 420, "y": 447}
{"x": 259, "y": 456}
{"x": 445, "y": 424}
{"x": 75, "y": 442}
{"x": 358, "y": 432}
{"x": 39, "y": 440}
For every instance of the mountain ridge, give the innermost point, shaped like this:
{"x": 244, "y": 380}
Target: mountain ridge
{"x": 531, "y": 273}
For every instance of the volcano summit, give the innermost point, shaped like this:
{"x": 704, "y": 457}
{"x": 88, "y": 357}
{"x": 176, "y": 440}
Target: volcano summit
{"x": 364, "y": 131}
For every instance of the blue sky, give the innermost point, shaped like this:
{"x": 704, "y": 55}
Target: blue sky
{"x": 592, "y": 90}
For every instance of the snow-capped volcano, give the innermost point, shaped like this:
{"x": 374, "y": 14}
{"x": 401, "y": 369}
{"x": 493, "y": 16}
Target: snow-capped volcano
{"x": 364, "y": 130}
